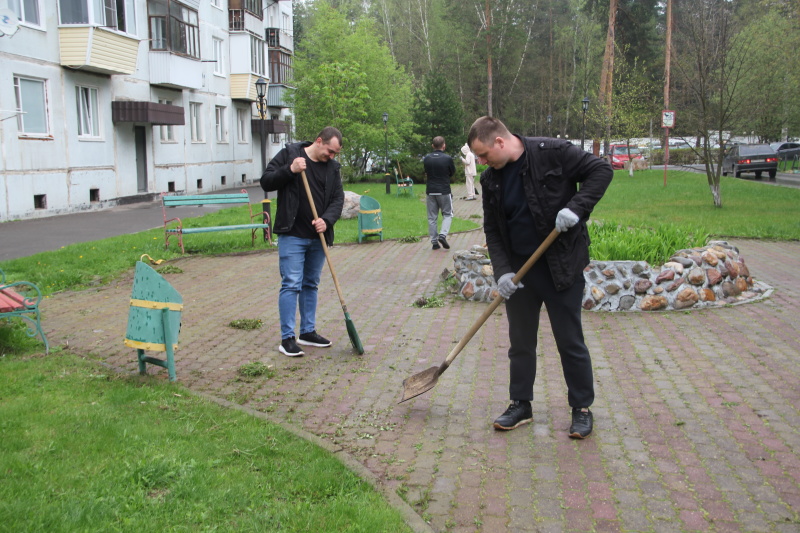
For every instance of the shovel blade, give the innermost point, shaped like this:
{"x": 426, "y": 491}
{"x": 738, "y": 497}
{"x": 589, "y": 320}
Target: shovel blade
{"x": 420, "y": 383}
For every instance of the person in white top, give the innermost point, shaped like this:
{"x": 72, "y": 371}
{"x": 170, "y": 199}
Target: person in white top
{"x": 468, "y": 159}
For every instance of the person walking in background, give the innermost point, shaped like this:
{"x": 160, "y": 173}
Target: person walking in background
{"x": 468, "y": 160}
{"x": 300, "y": 251}
{"x": 531, "y": 186}
{"x": 439, "y": 169}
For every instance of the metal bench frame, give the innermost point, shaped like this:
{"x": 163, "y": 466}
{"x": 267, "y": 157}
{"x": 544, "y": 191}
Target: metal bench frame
{"x": 174, "y": 200}
{"x": 14, "y": 302}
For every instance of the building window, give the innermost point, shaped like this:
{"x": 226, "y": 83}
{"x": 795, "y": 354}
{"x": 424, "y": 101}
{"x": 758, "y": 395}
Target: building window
{"x": 26, "y": 11}
{"x": 242, "y": 123}
{"x": 117, "y": 14}
{"x": 276, "y": 137}
{"x": 31, "y": 99}
{"x": 216, "y": 3}
{"x": 88, "y": 112}
{"x": 167, "y": 131}
{"x": 222, "y": 124}
{"x": 219, "y": 57}
{"x": 288, "y": 120}
{"x": 286, "y": 23}
{"x": 254, "y": 7}
{"x": 280, "y": 67}
{"x": 173, "y": 27}
{"x": 257, "y": 55}
{"x": 196, "y": 121}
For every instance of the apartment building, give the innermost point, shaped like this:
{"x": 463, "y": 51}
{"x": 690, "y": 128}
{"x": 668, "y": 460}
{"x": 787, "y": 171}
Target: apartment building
{"x": 113, "y": 101}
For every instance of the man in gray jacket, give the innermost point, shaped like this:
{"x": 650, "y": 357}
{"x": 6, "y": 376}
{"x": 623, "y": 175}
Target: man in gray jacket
{"x": 439, "y": 168}
{"x": 530, "y": 187}
{"x": 300, "y": 251}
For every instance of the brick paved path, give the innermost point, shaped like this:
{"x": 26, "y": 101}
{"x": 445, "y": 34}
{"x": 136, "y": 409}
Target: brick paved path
{"x": 696, "y": 412}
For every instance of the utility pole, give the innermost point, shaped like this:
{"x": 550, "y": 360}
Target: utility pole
{"x": 488, "y": 14}
{"x": 667, "y": 58}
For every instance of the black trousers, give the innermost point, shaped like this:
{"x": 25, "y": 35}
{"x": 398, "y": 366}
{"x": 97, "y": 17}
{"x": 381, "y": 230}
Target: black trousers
{"x": 564, "y": 311}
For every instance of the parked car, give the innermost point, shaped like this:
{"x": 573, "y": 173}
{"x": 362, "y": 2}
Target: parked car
{"x": 618, "y": 155}
{"x": 786, "y": 150}
{"x": 755, "y": 158}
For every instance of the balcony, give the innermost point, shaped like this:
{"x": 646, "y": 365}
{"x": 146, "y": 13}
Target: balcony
{"x": 97, "y": 49}
{"x": 270, "y": 126}
{"x": 276, "y": 95}
{"x": 243, "y": 20}
{"x": 243, "y": 87}
{"x": 175, "y": 71}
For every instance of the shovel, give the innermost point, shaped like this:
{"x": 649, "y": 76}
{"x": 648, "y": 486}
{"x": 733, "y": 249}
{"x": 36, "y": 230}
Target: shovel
{"x": 351, "y": 328}
{"x": 426, "y": 380}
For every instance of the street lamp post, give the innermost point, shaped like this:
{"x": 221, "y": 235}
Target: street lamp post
{"x": 386, "y": 151}
{"x": 549, "y": 121}
{"x": 585, "y": 104}
{"x": 261, "y": 92}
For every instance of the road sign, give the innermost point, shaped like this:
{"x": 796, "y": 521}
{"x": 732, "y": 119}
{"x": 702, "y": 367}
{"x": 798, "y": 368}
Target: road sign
{"x": 668, "y": 119}
{"x": 9, "y": 24}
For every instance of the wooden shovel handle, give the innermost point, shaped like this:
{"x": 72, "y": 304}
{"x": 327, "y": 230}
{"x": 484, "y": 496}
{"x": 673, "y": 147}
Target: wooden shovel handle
{"x": 496, "y": 302}
{"x": 324, "y": 244}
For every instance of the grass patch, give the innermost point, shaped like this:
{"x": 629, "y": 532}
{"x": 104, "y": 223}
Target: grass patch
{"x": 255, "y": 369}
{"x": 246, "y": 323}
{"x": 750, "y": 209}
{"x": 87, "y": 450}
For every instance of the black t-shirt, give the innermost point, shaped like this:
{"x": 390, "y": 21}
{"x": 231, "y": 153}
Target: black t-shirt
{"x": 524, "y": 239}
{"x": 315, "y": 172}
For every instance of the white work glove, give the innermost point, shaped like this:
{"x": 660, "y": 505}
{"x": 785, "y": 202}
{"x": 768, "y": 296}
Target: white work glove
{"x": 506, "y": 287}
{"x": 565, "y": 220}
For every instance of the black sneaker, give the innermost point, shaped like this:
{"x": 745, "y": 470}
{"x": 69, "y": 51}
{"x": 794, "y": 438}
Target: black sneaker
{"x": 582, "y": 423}
{"x": 518, "y": 413}
{"x": 435, "y": 246}
{"x": 443, "y": 242}
{"x": 290, "y": 348}
{"x": 313, "y": 339}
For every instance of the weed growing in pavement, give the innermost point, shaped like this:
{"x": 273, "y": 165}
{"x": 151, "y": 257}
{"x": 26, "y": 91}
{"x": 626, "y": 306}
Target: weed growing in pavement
{"x": 255, "y": 369}
{"x": 246, "y": 323}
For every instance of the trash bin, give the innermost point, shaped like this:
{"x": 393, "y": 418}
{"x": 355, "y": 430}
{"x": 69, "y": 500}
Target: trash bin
{"x": 154, "y": 319}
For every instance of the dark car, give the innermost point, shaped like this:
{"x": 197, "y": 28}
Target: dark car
{"x": 786, "y": 150}
{"x": 756, "y": 158}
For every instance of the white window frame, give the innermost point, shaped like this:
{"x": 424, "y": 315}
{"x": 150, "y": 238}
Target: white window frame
{"x": 276, "y": 137}
{"x": 167, "y": 132}
{"x": 217, "y": 3}
{"x": 221, "y": 123}
{"x": 242, "y": 116}
{"x": 22, "y": 99}
{"x": 218, "y": 48}
{"x": 99, "y": 15}
{"x": 23, "y": 12}
{"x": 257, "y": 55}
{"x": 196, "y": 122}
{"x": 87, "y": 102}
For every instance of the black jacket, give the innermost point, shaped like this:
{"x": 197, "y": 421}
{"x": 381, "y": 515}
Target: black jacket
{"x": 278, "y": 177}
{"x": 552, "y": 170}
{"x": 439, "y": 168}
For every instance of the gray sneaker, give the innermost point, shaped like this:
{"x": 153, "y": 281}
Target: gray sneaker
{"x": 582, "y": 423}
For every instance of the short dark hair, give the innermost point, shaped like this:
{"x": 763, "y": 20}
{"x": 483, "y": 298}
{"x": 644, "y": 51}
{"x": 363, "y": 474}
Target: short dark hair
{"x": 328, "y": 133}
{"x": 486, "y": 130}
{"x": 438, "y": 142}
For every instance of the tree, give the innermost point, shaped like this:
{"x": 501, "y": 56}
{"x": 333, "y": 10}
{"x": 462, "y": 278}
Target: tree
{"x": 345, "y": 77}
{"x": 437, "y": 111}
{"x": 710, "y": 66}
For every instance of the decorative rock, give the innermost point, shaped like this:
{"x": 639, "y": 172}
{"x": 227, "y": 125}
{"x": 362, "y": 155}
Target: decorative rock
{"x": 714, "y": 276}
{"x": 674, "y": 265}
{"x": 597, "y": 294}
{"x": 686, "y": 298}
{"x": 641, "y": 286}
{"x": 351, "y": 204}
{"x": 711, "y": 258}
{"x": 665, "y": 275}
{"x": 634, "y": 285}
{"x": 697, "y": 276}
{"x": 733, "y": 269}
{"x": 653, "y": 303}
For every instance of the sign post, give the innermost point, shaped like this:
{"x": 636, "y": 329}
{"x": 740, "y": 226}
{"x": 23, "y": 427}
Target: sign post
{"x": 667, "y": 122}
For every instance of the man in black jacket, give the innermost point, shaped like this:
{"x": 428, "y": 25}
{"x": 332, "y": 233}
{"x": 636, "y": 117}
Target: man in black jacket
{"x": 300, "y": 250}
{"x": 439, "y": 168}
{"x": 530, "y": 187}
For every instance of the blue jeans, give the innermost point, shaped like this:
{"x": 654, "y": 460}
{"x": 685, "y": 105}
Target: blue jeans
{"x": 301, "y": 266}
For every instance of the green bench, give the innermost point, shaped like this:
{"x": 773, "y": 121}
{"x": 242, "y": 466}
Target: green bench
{"x": 21, "y": 299}
{"x": 174, "y": 200}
